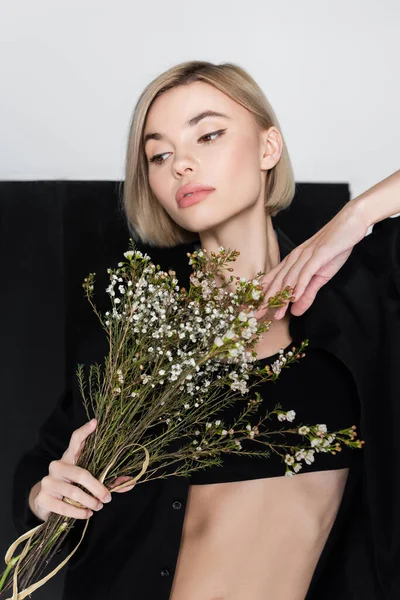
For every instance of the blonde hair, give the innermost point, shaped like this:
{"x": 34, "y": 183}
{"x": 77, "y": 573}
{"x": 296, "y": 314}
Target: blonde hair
{"x": 146, "y": 217}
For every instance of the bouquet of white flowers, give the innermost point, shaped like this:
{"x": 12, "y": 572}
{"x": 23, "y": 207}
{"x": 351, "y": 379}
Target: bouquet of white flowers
{"x": 176, "y": 359}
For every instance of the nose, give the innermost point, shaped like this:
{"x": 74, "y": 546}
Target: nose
{"x": 183, "y": 164}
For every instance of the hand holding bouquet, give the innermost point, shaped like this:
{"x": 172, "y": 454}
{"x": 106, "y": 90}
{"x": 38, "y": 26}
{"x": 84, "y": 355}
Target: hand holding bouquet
{"x": 176, "y": 359}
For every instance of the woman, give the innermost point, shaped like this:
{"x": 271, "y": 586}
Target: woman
{"x": 243, "y": 530}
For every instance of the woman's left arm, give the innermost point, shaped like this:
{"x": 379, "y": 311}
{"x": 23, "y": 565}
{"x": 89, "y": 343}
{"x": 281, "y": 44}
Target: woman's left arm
{"x": 314, "y": 262}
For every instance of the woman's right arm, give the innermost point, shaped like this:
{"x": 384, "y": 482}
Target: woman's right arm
{"x": 46, "y": 495}
{"x": 47, "y": 471}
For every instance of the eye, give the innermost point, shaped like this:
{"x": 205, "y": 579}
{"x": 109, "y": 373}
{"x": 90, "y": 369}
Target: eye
{"x": 217, "y": 133}
{"x": 156, "y": 159}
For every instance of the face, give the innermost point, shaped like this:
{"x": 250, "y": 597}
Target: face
{"x": 228, "y": 153}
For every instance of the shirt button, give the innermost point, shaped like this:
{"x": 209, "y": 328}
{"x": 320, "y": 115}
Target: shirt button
{"x": 177, "y": 505}
{"x": 164, "y": 572}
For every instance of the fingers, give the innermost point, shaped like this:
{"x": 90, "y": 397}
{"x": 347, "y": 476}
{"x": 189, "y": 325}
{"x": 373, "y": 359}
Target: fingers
{"x": 50, "y": 498}
{"x": 63, "y": 474}
{"x": 60, "y": 469}
{"x": 288, "y": 272}
{"x": 120, "y": 480}
{"x": 307, "y": 298}
{"x": 77, "y": 441}
{"x": 60, "y": 487}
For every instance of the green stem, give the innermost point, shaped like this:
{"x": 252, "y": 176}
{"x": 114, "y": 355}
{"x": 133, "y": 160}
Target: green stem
{"x": 59, "y": 531}
{"x": 10, "y": 566}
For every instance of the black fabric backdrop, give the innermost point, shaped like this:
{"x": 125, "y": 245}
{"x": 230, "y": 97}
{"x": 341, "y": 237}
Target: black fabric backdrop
{"x": 52, "y": 234}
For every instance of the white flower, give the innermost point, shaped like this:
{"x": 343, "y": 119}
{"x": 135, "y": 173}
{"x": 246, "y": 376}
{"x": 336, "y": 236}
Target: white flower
{"x": 218, "y": 423}
{"x": 161, "y": 372}
{"x": 297, "y": 467}
{"x": 316, "y": 442}
{"x": 289, "y": 460}
{"x": 281, "y": 417}
{"x": 310, "y": 457}
{"x": 322, "y": 428}
{"x": 300, "y": 454}
{"x": 128, "y": 254}
{"x": 229, "y": 334}
{"x": 242, "y": 316}
{"x": 304, "y": 430}
{"x": 218, "y": 341}
{"x": 276, "y": 367}
{"x": 224, "y": 432}
{"x": 290, "y": 415}
{"x": 289, "y": 474}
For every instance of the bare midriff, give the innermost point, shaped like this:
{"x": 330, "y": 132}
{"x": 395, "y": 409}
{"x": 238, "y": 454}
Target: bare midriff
{"x": 257, "y": 539}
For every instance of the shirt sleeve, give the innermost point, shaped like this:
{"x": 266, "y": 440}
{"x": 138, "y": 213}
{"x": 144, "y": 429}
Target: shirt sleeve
{"x": 52, "y": 439}
{"x": 380, "y": 250}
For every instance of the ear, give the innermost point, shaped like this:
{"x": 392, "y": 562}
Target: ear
{"x": 271, "y": 146}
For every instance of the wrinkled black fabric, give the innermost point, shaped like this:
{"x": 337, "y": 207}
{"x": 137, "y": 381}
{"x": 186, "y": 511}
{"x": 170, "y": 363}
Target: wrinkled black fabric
{"x": 131, "y": 546}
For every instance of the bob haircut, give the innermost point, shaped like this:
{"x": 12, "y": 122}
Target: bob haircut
{"x": 146, "y": 218}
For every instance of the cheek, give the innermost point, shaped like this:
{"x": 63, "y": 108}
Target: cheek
{"x": 159, "y": 187}
{"x": 240, "y": 168}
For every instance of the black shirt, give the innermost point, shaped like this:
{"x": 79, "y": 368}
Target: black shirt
{"x": 136, "y": 538}
{"x": 131, "y": 546}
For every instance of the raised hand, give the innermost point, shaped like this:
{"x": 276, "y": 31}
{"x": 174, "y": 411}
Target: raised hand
{"x": 314, "y": 262}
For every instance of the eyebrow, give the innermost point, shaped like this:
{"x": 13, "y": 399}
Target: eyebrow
{"x": 190, "y": 123}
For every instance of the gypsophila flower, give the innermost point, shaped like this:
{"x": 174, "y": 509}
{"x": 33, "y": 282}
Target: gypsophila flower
{"x": 316, "y": 442}
{"x": 276, "y": 367}
{"x": 290, "y": 415}
{"x": 310, "y": 457}
{"x": 304, "y": 430}
{"x": 301, "y": 454}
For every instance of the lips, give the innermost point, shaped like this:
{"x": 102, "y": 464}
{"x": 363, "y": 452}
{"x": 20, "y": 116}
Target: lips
{"x": 191, "y": 188}
{"x": 194, "y": 198}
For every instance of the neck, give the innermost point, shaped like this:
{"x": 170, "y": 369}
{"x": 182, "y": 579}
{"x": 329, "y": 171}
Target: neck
{"x": 259, "y": 251}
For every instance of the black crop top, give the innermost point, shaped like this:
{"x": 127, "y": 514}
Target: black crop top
{"x": 320, "y": 389}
